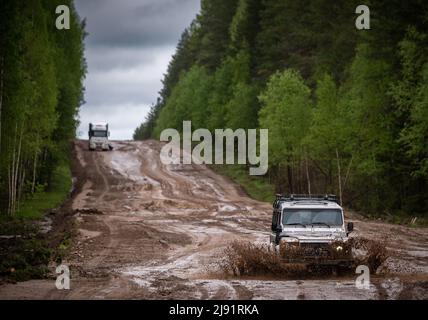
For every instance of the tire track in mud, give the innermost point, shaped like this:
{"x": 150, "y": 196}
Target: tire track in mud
{"x": 105, "y": 188}
{"x": 111, "y": 241}
{"x": 93, "y": 266}
{"x": 152, "y": 167}
{"x": 176, "y": 185}
{"x": 116, "y": 218}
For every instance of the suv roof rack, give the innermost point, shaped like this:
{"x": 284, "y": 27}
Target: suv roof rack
{"x": 307, "y": 197}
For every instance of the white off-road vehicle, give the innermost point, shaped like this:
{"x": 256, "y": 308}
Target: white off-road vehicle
{"x": 310, "y": 229}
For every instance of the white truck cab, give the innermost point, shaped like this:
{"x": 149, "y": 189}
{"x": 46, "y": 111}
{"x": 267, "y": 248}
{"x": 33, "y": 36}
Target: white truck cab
{"x": 98, "y": 136}
{"x": 311, "y": 222}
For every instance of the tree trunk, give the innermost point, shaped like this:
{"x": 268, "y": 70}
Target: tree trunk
{"x": 307, "y": 175}
{"x": 16, "y": 159}
{"x": 20, "y": 185}
{"x": 300, "y": 175}
{"x": 1, "y": 92}
{"x": 339, "y": 176}
{"x": 16, "y": 188}
{"x": 33, "y": 182}
{"x": 1, "y": 104}
{"x": 348, "y": 171}
{"x": 290, "y": 178}
{"x": 12, "y": 174}
{"x": 9, "y": 184}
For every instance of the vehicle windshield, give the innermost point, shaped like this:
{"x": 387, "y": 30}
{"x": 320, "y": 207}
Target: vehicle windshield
{"x": 99, "y": 134}
{"x": 298, "y": 217}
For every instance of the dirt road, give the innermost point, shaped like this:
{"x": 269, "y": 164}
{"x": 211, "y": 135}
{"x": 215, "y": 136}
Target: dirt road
{"x": 150, "y": 231}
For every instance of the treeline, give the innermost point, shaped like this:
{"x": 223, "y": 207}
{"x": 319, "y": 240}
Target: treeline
{"x": 347, "y": 110}
{"x": 41, "y": 88}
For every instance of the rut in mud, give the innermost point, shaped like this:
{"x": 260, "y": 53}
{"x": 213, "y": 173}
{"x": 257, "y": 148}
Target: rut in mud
{"x": 148, "y": 230}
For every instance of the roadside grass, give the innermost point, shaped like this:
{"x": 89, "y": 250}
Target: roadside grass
{"x": 256, "y": 187}
{"x": 24, "y": 251}
{"x": 401, "y": 218}
{"x": 35, "y": 206}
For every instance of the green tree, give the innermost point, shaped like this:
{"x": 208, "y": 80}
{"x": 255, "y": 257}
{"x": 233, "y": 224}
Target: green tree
{"x": 286, "y": 112}
{"x": 214, "y": 21}
{"x": 187, "y": 101}
{"x": 410, "y": 98}
{"x": 364, "y": 137}
{"x": 41, "y": 82}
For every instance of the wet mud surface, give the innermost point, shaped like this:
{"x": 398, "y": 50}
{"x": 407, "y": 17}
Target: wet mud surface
{"x": 145, "y": 230}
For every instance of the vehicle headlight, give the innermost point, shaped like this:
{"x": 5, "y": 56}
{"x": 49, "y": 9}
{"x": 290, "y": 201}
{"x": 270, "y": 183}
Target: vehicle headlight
{"x": 339, "y": 248}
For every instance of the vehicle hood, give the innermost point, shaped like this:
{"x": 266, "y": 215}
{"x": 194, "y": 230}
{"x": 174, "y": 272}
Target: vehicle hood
{"x": 314, "y": 234}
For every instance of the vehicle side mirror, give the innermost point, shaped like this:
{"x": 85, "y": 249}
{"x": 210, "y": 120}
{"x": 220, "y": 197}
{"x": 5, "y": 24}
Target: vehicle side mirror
{"x": 108, "y": 133}
{"x": 350, "y": 226}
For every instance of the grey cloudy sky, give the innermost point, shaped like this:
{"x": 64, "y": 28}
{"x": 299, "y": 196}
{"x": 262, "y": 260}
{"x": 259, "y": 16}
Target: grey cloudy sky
{"x": 128, "y": 48}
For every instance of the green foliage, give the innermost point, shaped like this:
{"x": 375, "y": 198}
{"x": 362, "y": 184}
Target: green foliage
{"x": 242, "y": 108}
{"x": 368, "y": 110}
{"x": 41, "y": 89}
{"x": 415, "y": 135}
{"x": 326, "y": 132}
{"x": 346, "y": 110}
{"x": 47, "y": 197}
{"x": 221, "y": 92}
{"x": 214, "y": 21}
{"x": 286, "y": 112}
{"x": 24, "y": 255}
{"x": 233, "y": 100}
{"x": 244, "y": 25}
{"x": 257, "y": 188}
{"x": 410, "y": 96}
{"x": 187, "y": 101}
{"x": 309, "y": 36}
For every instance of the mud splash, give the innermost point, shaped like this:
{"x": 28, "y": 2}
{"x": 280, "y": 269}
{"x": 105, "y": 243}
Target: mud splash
{"x": 369, "y": 252}
{"x": 249, "y": 259}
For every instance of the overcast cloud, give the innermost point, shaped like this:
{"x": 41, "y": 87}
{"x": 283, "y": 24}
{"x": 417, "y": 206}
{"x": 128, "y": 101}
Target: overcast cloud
{"x": 128, "y": 48}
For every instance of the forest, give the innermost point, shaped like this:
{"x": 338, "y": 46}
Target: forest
{"x": 41, "y": 89}
{"x": 346, "y": 109}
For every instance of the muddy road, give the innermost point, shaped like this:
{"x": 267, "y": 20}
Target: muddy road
{"x": 150, "y": 231}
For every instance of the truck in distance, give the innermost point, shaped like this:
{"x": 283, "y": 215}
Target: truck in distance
{"x": 98, "y": 137}
{"x": 310, "y": 229}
